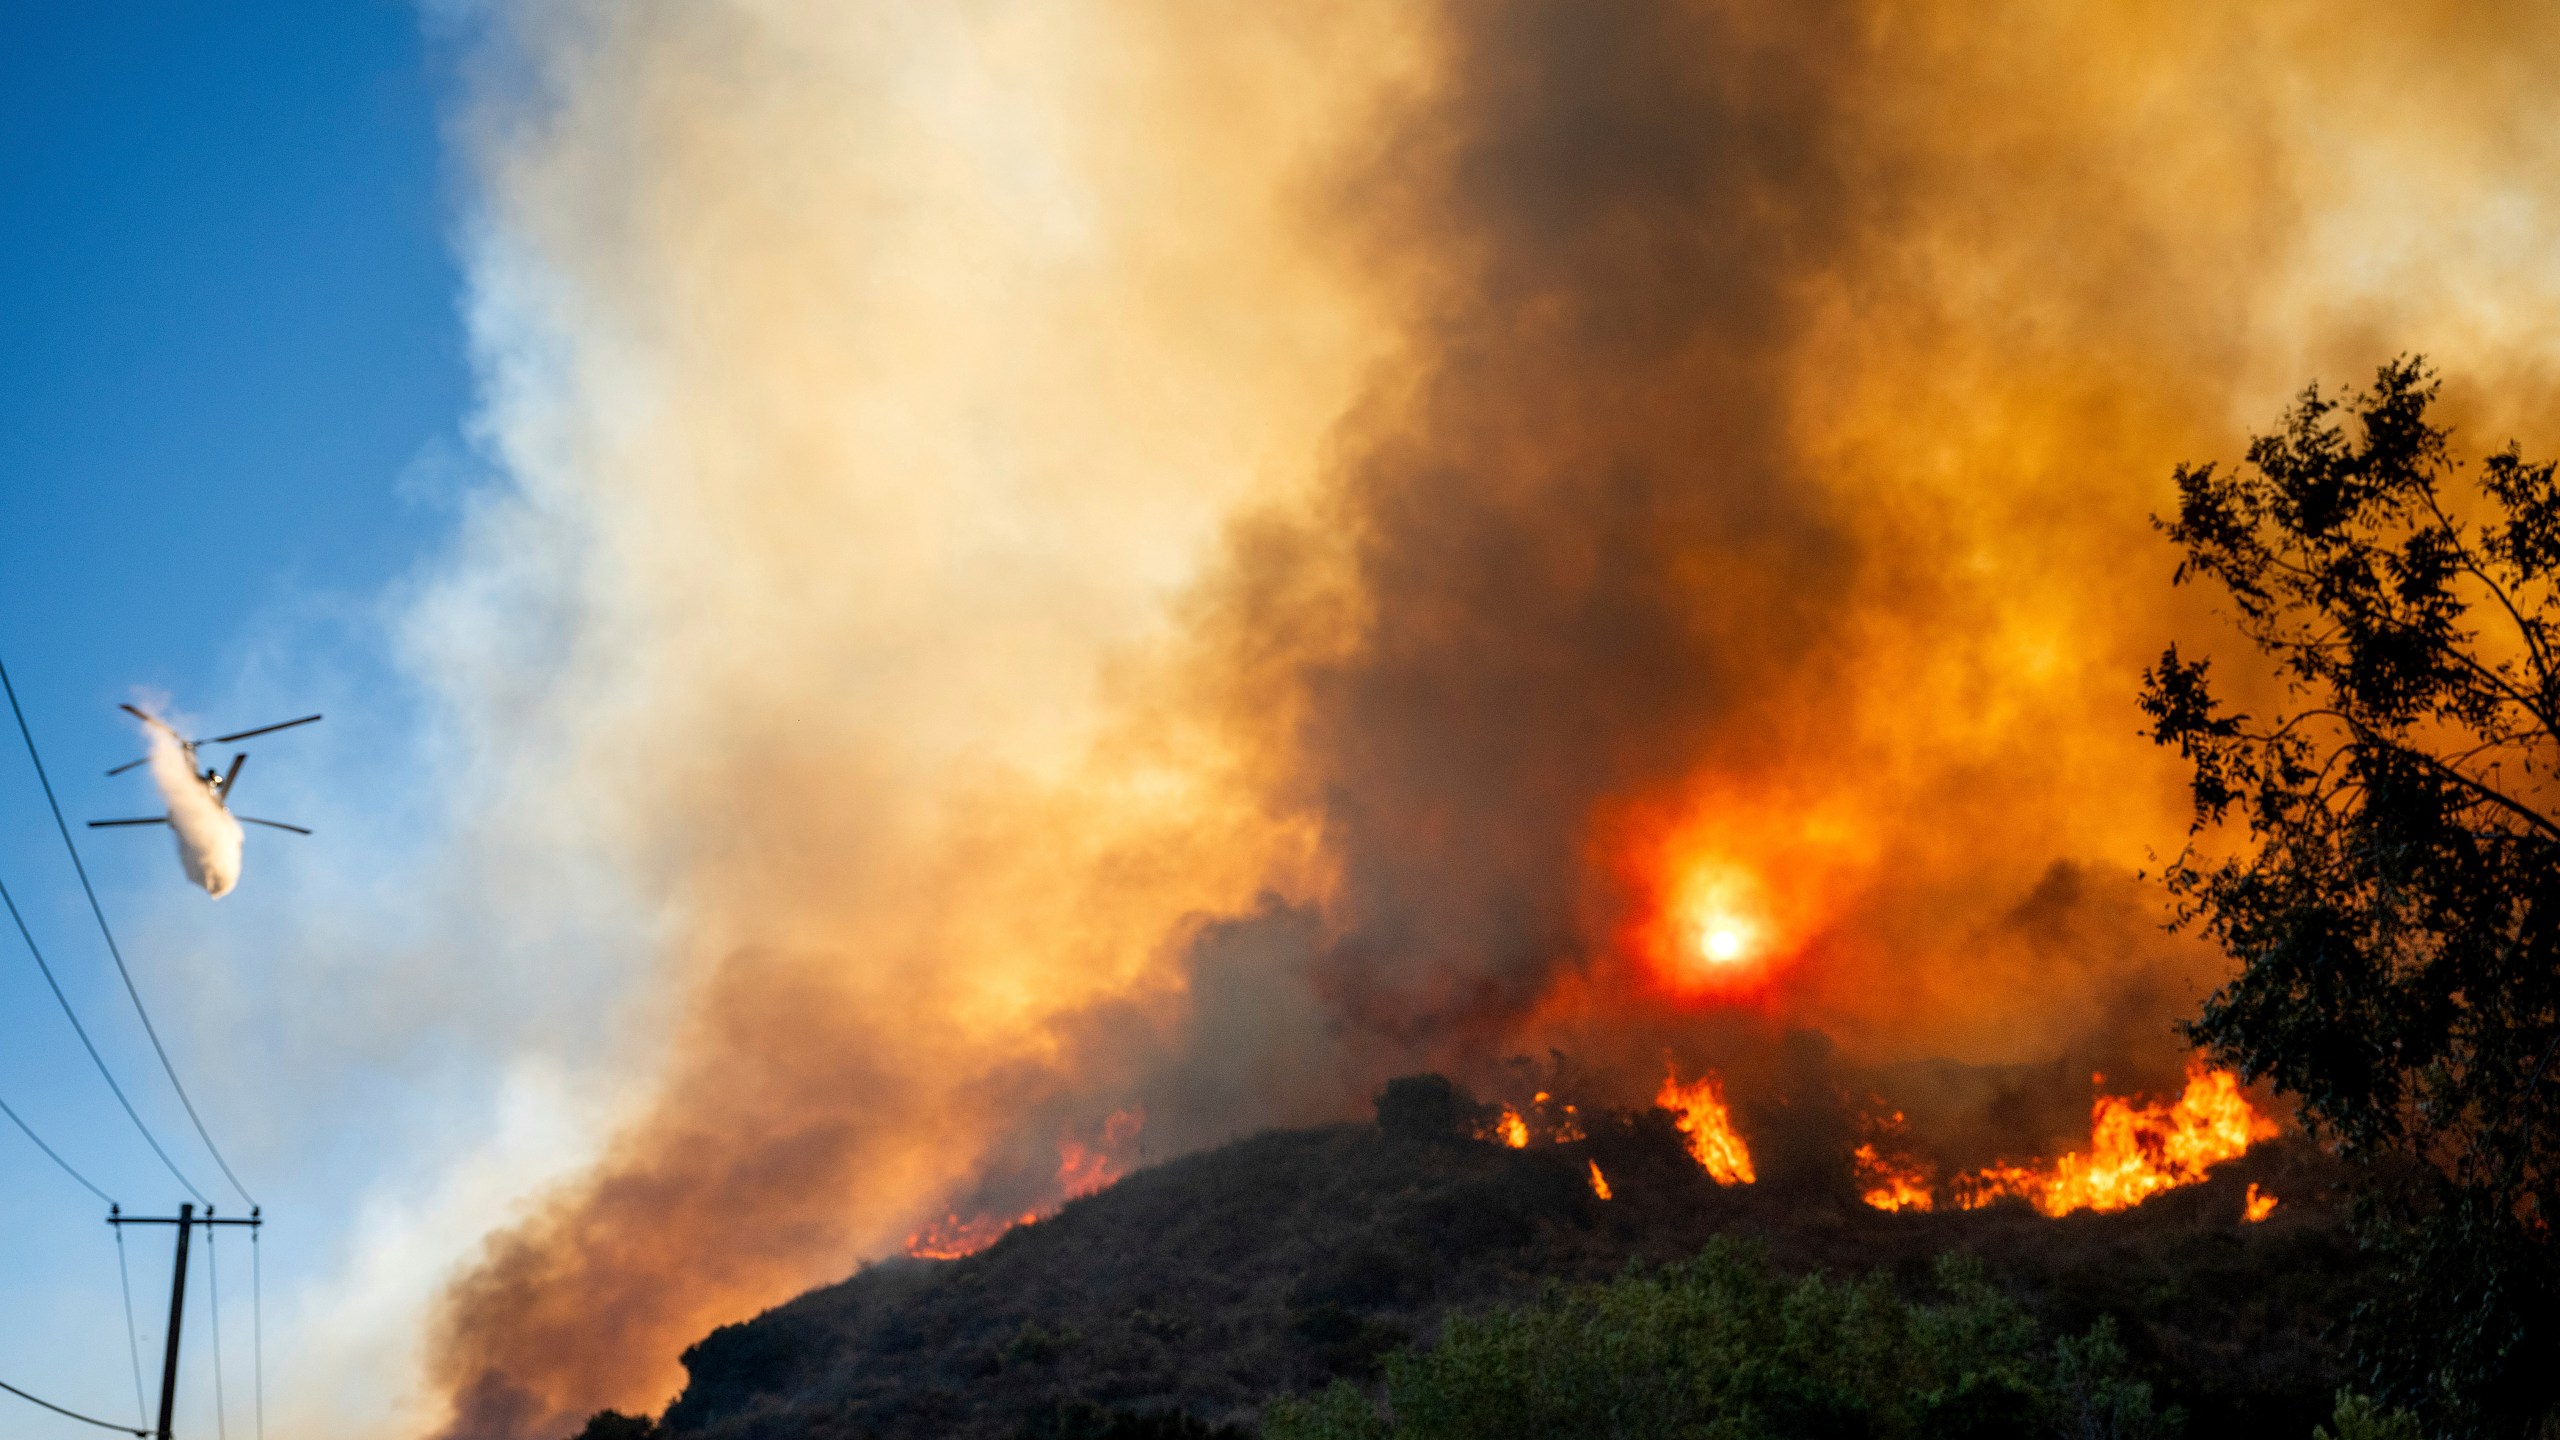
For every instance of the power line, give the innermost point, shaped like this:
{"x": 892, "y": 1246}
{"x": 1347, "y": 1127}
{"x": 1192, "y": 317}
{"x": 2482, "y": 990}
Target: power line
{"x": 133, "y": 1346}
{"x": 38, "y": 1141}
{"x": 99, "y": 911}
{"x": 213, "y": 1302}
{"x": 91, "y": 1046}
{"x": 74, "y": 1414}
{"x": 258, "y": 1328}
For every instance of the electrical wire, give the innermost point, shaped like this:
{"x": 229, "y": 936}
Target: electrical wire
{"x": 38, "y": 1141}
{"x": 91, "y": 1046}
{"x": 132, "y": 1346}
{"x": 29, "y": 735}
{"x": 213, "y": 1304}
{"x": 258, "y": 1326}
{"x": 74, "y": 1414}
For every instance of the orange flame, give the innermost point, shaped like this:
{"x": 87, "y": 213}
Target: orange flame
{"x": 1510, "y": 1129}
{"x": 1698, "y": 1109}
{"x": 2255, "y": 1207}
{"x": 2134, "y": 1152}
{"x": 951, "y": 1238}
{"x": 1082, "y": 1170}
{"x": 1895, "y": 1183}
{"x": 1600, "y": 1182}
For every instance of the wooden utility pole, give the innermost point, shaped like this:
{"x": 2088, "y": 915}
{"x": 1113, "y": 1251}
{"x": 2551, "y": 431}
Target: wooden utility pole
{"x": 186, "y": 1220}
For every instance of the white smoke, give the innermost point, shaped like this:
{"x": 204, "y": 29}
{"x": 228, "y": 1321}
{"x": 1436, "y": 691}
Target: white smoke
{"x": 208, "y": 838}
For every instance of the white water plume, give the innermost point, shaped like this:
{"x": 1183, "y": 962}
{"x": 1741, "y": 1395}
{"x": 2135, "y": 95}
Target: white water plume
{"x": 208, "y": 838}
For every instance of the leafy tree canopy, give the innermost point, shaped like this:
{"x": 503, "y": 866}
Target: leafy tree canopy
{"x": 2381, "y": 853}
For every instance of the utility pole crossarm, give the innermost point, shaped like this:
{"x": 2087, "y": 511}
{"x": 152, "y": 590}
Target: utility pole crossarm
{"x": 186, "y": 1220}
{"x": 205, "y": 1219}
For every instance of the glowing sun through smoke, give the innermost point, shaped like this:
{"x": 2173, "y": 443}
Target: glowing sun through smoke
{"x": 1722, "y": 891}
{"x": 1723, "y": 941}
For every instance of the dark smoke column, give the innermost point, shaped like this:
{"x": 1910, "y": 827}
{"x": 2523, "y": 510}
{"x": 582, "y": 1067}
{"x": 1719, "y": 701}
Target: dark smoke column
{"x": 1581, "y": 557}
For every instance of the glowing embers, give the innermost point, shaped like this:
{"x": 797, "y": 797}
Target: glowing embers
{"x": 2255, "y": 1207}
{"x": 1698, "y": 1109}
{"x": 2135, "y": 1151}
{"x": 1544, "y": 1121}
{"x": 1600, "y": 1182}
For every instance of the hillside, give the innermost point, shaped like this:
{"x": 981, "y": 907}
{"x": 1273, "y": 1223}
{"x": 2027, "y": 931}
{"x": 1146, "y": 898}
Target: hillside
{"x": 1210, "y": 1283}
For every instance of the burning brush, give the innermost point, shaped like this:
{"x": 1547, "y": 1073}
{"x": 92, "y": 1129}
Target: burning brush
{"x": 2135, "y": 1151}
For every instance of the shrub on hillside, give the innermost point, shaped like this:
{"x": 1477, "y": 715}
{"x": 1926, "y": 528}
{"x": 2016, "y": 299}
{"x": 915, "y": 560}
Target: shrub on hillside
{"x": 2359, "y": 1418}
{"x": 1723, "y": 1346}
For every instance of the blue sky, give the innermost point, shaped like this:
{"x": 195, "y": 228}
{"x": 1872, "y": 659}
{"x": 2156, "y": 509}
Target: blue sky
{"x": 229, "y": 333}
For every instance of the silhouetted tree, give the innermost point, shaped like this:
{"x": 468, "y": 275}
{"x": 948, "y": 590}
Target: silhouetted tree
{"x": 1424, "y": 1108}
{"x": 2391, "y": 887}
{"x": 614, "y": 1425}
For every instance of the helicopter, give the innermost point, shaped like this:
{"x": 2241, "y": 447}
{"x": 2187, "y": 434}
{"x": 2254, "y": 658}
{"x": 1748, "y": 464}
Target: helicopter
{"x": 209, "y": 835}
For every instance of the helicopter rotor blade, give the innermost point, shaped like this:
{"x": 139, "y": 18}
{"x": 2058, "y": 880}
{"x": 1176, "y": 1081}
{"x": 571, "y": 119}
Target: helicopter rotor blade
{"x": 155, "y": 722}
{"x": 224, "y": 793}
{"x": 145, "y": 820}
{"x": 261, "y": 730}
{"x": 270, "y": 824}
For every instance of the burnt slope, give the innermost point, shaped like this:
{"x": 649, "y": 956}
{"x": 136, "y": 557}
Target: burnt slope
{"x": 1209, "y": 1283}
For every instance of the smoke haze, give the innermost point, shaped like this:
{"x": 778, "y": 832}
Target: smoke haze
{"x": 1116, "y": 560}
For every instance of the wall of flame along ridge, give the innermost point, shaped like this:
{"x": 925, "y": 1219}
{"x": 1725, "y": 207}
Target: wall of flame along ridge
{"x": 1182, "y": 560}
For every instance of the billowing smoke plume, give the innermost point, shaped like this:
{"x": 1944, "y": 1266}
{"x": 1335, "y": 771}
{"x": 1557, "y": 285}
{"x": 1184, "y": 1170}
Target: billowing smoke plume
{"x": 1141, "y": 561}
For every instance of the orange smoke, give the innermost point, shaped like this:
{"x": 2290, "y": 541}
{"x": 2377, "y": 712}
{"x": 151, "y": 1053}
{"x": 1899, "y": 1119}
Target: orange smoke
{"x": 2134, "y": 1152}
{"x": 1698, "y": 1109}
